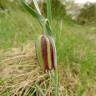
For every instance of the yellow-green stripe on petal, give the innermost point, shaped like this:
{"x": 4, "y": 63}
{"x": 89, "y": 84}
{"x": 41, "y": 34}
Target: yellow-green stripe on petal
{"x": 49, "y": 53}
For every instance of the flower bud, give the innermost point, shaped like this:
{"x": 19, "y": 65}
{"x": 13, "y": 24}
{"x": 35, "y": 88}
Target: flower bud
{"x": 46, "y": 52}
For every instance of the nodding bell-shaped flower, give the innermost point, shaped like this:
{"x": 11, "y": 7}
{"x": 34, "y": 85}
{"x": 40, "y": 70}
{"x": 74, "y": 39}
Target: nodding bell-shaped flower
{"x": 46, "y": 52}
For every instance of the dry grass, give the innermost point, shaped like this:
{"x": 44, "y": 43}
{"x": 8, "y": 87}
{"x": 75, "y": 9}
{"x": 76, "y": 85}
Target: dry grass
{"x": 20, "y": 72}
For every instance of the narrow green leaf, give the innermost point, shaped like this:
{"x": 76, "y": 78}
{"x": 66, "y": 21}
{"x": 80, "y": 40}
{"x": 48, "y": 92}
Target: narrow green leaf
{"x": 43, "y": 22}
{"x": 37, "y": 7}
{"x": 40, "y": 90}
{"x": 33, "y": 12}
{"x": 55, "y": 82}
{"x": 48, "y": 28}
{"x": 49, "y": 13}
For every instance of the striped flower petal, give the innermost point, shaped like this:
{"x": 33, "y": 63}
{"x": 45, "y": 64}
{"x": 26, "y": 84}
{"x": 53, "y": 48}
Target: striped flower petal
{"x": 53, "y": 53}
{"x": 46, "y": 52}
{"x": 44, "y": 48}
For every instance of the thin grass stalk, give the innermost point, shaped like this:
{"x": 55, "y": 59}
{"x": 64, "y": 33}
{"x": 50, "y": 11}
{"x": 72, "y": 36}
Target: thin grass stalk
{"x": 49, "y": 13}
{"x": 37, "y": 7}
{"x": 40, "y": 90}
{"x": 54, "y": 82}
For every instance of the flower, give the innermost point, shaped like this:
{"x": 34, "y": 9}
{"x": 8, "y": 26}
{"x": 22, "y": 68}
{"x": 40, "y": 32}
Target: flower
{"x": 47, "y": 52}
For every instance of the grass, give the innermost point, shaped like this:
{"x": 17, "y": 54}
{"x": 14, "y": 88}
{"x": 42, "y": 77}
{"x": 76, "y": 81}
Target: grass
{"x": 18, "y": 26}
{"x": 76, "y": 49}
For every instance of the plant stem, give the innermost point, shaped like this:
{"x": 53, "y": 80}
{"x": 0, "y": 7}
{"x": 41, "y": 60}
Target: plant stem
{"x": 54, "y": 80}
{"x": 49, "y": 14}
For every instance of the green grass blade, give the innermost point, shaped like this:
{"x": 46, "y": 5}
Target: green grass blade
{"x": 48, "y": 28}
{"x": 33, "y": 12}
{"x": 44, "y": 22}
{"x": 49, "y": 13}
{"x": 37, "y": 7}
{"x": 29, "y": 9}
{"x": 40, "y": 90}
{"x": 55, "y": 82}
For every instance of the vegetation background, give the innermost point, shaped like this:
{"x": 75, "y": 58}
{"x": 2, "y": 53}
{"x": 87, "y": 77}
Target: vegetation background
{"x": 75, "y": 36}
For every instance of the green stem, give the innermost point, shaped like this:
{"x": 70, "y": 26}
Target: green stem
{"x": 49, "y": 14}
{"x": 55, "y": 83}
